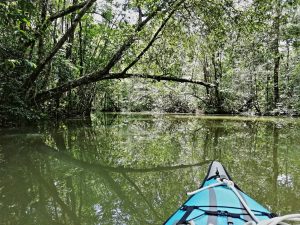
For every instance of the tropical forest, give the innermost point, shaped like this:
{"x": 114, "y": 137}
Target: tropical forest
{"x": 64, "y": 59}
{"x": 112, "y": 110}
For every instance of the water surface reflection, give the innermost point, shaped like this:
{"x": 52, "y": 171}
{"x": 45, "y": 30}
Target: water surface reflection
{"x": 135, "y": 169}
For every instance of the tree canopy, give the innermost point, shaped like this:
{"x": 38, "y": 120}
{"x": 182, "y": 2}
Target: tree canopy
{"x": 68, "y": 57}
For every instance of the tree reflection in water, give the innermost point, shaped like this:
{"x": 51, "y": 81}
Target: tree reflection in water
{"x": 135, "y": 169}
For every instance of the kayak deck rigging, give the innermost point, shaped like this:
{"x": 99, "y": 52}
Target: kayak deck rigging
{"x": 219, "y": 201}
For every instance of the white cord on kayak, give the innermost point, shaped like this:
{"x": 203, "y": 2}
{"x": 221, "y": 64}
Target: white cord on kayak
{"x": 230, "y": 184}
{"x": 205, "y": 188}
{"x": 191, "y": 222}
{"x": 273, "y": 221}
{"x": 277, "y": 220}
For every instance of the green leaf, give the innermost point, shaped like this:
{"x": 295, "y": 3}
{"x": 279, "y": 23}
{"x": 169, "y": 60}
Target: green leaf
{"x": 30, "y": 64}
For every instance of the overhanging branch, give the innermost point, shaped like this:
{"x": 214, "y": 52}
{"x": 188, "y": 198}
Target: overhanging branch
{"x": 157, "y": 78}
{"x": 97, "y": 75}
{"x": 43, "y": 96}
{"x": 104, "y": 73}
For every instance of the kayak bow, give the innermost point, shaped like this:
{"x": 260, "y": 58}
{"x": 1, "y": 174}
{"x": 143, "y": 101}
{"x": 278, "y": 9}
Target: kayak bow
{"x": 219, "y": 201}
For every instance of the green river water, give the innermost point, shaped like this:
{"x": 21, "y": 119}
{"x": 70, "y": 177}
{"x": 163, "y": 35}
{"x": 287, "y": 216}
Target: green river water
{"x": 136, "y": 168}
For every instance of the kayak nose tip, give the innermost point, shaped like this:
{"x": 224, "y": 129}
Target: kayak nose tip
{"x": 217, "y": 169}
{"x": 216, "y": 164}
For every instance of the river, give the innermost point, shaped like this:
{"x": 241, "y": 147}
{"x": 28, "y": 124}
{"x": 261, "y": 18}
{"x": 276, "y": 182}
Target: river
{"x": 136, "y": 168}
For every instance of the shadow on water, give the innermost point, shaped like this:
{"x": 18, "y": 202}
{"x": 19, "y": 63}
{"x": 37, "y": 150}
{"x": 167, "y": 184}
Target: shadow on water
{"x": 135, "y": 169}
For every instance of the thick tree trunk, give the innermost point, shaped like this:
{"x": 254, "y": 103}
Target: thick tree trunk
{"x": 287, "y": 65}
{"x": 288, "y": 87}
{"x": 268, "y": 101}
{"x": 217, "y": 77}
{"x": 206, "y": 76}
{"x": 276, "y": 53}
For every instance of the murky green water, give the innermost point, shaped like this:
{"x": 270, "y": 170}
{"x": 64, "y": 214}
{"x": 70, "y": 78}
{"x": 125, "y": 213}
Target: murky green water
{"x": 135, "y": 169}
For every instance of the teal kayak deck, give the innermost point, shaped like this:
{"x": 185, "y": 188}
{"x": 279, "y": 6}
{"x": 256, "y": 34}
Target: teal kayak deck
{"x": 217, "y": 205}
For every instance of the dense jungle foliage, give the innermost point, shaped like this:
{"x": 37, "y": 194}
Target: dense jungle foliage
{"x": 67, "y": 58}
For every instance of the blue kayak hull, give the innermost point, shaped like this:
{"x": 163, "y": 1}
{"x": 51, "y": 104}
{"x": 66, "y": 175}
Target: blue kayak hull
{"x": 217, "y": 205}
